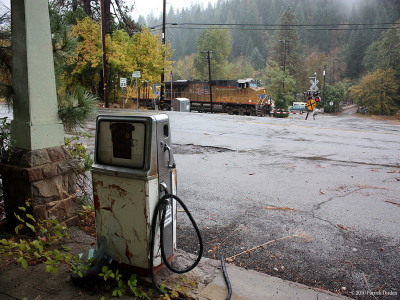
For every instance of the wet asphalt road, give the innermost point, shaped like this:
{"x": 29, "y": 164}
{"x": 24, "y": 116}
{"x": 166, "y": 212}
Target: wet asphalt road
{"x": 319, "y": 197}
{"x": 324, "y": 187}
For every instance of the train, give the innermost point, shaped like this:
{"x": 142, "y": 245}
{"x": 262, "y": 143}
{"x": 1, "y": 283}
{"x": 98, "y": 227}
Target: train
{"x": 240, "y": 97}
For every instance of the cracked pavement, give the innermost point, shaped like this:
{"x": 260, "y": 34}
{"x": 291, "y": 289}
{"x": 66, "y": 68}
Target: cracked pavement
{"x": 320, "y": 197}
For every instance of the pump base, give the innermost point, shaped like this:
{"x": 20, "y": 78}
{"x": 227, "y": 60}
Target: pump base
{"x": 142, "y": 271}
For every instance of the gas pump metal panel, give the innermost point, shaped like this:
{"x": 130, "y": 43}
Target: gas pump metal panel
{"x": 122, "y": 216}
{"x": 133, "y": 156}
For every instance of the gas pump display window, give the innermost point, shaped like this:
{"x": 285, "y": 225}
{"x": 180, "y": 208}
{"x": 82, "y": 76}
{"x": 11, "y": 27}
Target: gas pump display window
{"x": 121, "y": 144}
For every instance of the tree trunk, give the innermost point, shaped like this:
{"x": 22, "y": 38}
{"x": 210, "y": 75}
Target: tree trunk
{"x": 87, "y": 7}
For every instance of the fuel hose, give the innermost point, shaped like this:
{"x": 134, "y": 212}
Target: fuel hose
{"x": 162, "y": 207}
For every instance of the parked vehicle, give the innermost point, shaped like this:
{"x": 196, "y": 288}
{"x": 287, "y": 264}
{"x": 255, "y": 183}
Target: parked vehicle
{"x": 297, "y": 108}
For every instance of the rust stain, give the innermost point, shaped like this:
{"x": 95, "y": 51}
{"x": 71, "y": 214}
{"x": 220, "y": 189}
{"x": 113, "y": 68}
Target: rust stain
{"x": 121, "y": 191}
{"x": 175, "y": 178}
{"x": 96, "y": 183}
{"x": 96, "y": 202}
{"x": 145, "y": 213}
{"x": 116, "y": 234}
{"x": 128, "y": 254}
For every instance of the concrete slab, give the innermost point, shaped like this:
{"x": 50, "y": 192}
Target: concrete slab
{"x": 247, "y": 284}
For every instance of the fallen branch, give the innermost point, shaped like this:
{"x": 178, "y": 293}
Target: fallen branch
{"x": 283, "y": 208}
{"x": 39, "y": 289}
{"x": 218, "y": 245}
{"x": 10, "y": 295}
{"x": 301, "y": 234}
{"x": 398, "y": 204}
{"x": 366, "y": 281}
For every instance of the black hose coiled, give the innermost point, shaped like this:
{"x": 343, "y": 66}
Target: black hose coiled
{"x": 162, "y": 203}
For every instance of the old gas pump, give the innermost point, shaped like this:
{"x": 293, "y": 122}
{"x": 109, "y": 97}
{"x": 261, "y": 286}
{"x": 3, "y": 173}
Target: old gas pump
{"x": 133, "y": 169}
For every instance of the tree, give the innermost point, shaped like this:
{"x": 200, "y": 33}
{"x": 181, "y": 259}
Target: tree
{"x": 370, "y": 61}
{"x": 379, "y": 92}
{"x": 313, "y": 63}
{"x": 325, "y": 12}
{"x": 185, "y": 68}
{"x": 390, "y": 51}
{"x": 149, "y": 56}
{"x": 282, "y": 95}
{"x": 5, "y": 57}
{"x": 213, "y": 39}
{"x": 84, "y": 62}
{"x": 285, "y": 43}
{"x": 242, "y": 68}
{"x": 384, "y": 53}
{"x": 257, "y": 60}
{"x": 333, "y": 93}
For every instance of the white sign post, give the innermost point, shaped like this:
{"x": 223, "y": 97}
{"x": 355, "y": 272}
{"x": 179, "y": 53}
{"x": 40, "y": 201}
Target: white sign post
{"x": 122, "y": 84}
{"x": 136, "y": 75}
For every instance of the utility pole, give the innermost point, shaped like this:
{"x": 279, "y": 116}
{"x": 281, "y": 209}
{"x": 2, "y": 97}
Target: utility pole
{"x": 323, "y": 92}
{"x": 209, "y": 74}
{"x": 163, "y": 43}
{"x": 284, "y": 57}
{"x": 103, "y": 41}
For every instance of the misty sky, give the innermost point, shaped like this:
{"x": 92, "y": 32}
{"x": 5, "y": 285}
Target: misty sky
{"x": 145, "y": 7}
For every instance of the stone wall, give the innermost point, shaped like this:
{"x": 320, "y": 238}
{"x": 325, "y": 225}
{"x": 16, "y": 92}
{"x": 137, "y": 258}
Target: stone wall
{"x": 47, "y": 177}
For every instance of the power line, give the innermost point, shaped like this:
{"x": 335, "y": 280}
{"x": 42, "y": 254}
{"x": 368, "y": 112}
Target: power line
{"x": 268, "y": 27}
{"x": 282, "y": 25}
{"x": 290, "y": 29}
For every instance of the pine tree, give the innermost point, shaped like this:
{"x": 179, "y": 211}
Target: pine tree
{"x": 285, "y": 43}
{"x": 390, "y": 51}
{"x": 5, "y": 57}
{"x": 257, "y": 60}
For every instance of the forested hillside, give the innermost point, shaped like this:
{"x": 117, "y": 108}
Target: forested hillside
{"x": 332, "y": 29}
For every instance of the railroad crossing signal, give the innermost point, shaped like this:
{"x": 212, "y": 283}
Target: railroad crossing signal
{"x": 314, "y": 85}
{"x": 316, "y": 96}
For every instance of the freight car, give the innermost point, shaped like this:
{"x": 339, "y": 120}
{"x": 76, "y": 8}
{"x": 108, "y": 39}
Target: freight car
{"x": 241, "y": 97}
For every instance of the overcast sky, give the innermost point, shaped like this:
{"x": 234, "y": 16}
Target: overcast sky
{"x": 145, "y": 7}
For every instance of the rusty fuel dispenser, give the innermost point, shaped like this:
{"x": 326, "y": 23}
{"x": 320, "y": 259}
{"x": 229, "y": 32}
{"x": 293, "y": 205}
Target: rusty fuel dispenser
{"x": 133, "y": 169}
{"x": 134, "y": 191}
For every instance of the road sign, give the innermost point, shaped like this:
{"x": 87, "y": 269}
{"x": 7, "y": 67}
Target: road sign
{"x": 310, "y": 104}
{"x": 331, "y": 103}
{"x": 136, "y": 74}
{"x": 122, "y": 82}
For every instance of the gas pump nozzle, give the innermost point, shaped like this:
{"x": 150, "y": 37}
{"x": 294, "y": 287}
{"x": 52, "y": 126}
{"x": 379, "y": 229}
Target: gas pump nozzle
{"x": 168, "y": 148}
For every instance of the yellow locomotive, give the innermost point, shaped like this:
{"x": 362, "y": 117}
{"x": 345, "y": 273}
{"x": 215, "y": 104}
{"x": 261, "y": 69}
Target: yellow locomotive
{"x": 242, "y": 97}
